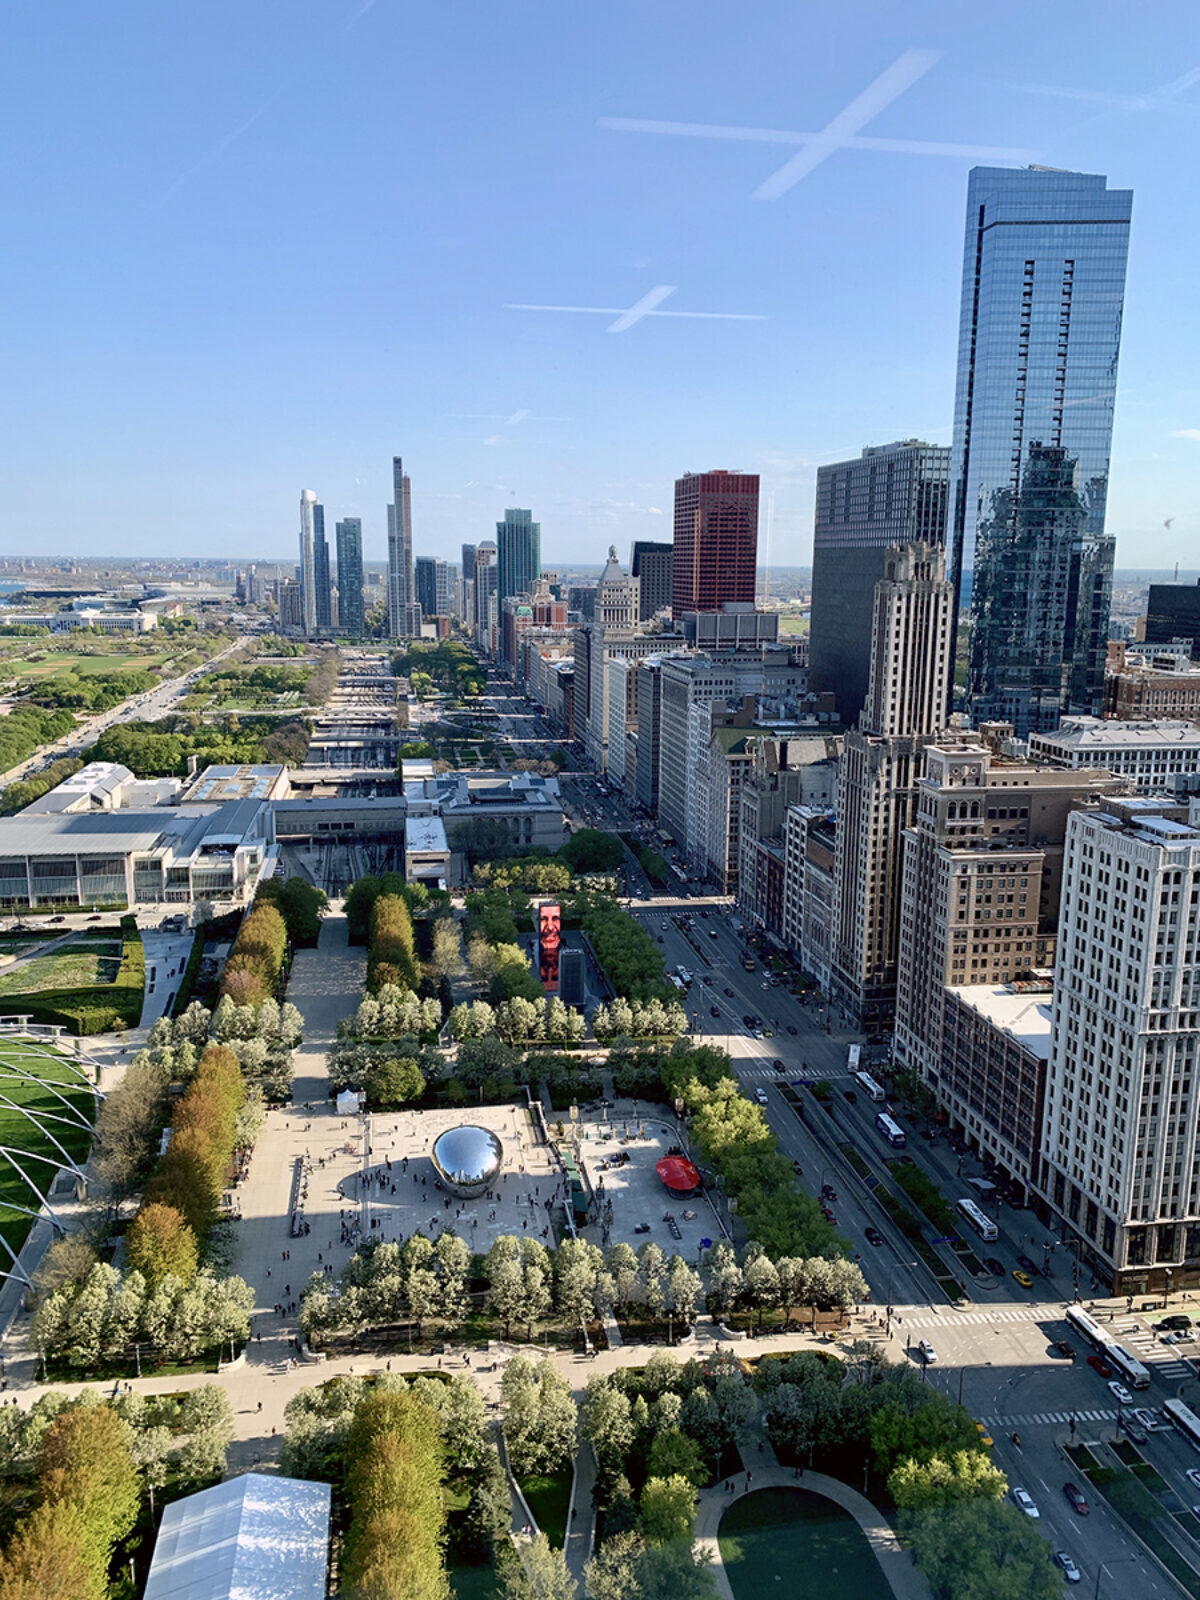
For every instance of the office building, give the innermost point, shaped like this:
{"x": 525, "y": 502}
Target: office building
{"x": 466, "y": 591}
{"x": 653, "y": 566}
{"x": 432, "y": 584}
{"x": 1148, "y": 754}
{"x": 979, "y": 895}
{"x": 907, "y": 689}
{"x": 351, "y": 618}
{"x": 1120, "y": 1156}
{"x": 401, "y": 595}
{"x": 519, "y": 553}
{"x": 716, "y": 541}
{"x": 1155, "y": 684}
{"x": 893, "y": 494}
{"x": 1173, "y": 612}
{"x": 1039, "y": 336}
{"x": 486, "y": 610}
{"x": 314, "y": 567}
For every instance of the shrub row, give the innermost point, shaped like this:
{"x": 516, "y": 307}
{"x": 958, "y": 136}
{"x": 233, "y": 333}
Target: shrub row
{"x": 190, "y": 1177}
{"x": 256, "y": 961}
{"x": 393, "y": 958}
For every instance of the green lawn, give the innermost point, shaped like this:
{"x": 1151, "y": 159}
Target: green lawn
{"x": 788, "y": 1542}
{"x": 470, "y": 1582}
{"x": 72, "y": 967}
{"x": 86, "y": 665}
{"x": 547, "y": 1498}
{"x": 18, "y": 1133}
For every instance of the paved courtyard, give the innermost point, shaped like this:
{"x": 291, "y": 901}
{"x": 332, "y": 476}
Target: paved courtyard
{"x": 620, "y": 1151}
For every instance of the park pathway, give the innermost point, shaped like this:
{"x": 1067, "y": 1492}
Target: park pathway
{"x": 896, "y": 1564}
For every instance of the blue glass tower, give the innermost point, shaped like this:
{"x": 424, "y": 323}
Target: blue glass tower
{"x": 351, "y": 619}
{"x": 1039, "y": 338}
{"x": 519, "y": 543}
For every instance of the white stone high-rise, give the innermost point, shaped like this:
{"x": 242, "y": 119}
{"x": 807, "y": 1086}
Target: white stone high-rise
{"x": 1120, "y": 1145}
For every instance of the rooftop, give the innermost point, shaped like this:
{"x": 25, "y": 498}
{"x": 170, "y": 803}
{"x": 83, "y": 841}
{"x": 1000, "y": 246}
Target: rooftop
{"x": 1024, "y": 1015}
{"x": 1095, "y": 733}
{"x": 234, "y": 783}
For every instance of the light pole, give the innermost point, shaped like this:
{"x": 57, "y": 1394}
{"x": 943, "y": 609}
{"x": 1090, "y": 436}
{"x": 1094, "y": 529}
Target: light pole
{"x": 1104, "y": 1567}
{"x": 1170, "y": 1272}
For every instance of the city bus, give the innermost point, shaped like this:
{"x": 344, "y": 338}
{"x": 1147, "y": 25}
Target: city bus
{"x": 1131, "y": 1369}
{"x": 891, "y": 1131}
{"x": 1087, "y": 1327}
{"x": 684, "y": 976}
{"x": 984, "y": 1226}
{"x": 872, "y": 1090}
{"x": 1185, "y": 1419}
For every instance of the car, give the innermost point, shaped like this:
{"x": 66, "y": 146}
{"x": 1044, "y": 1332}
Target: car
{"x": 1150, "y": 1420}
{"x": 1023, "y": 1278}
{"x": 757, "y": 1033}
{"x": 793, "y": 1029}
{"x": 851, "y": 1096}
{"x": 1177, "y": 1320}
{"x": 714, "y": 1011}
{"x": 1062, "y": 1348}
{"x": 58, "y": 919}
{"x": 1122, "y": 1396}
{"x": 985, "y": 1437}
{"x": 1029, "y": 1264}
{"x": 661, "y": 940}
{"x": 1098, "y": 1364}
{"x": 1193, "y": 1476}
{"x": 1023, "y": 1501}
{"x": 778, "y": 1065}
{"x": 1132, "y": 1431}
{"x": 928, "y": 1353}
{"x": 760, "y": 1094}
{"x": 729, "y": 994}
{"x": 748, "y": 1020}
{"x": 873, "y": 1236}
{"x": 1076, "y": 1499}
{"x": 1069, "y": 1570}
{"x": 996, "y": 1268}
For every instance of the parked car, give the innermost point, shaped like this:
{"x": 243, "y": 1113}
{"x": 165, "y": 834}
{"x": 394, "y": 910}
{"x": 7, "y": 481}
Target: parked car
{"x": 829, "y": 1216}
{"x": 928, "y": 1353}
{"x": 1023, "y": 1278}
{"x": 1069, "y": 1570}
{"x": 1177, "y": 1320}
{"x": 1023, "y": 1501}
{"x": 1030, "y": 1265}
{"x": 1076, "y": 1499}
{"x": 1062, "y": 1348}
{"x": 1098, "y": 1364}
{"x": 1123, "y": 1398}
{"x": 873, "y": 1236}
{"x": 996, "y": 1268}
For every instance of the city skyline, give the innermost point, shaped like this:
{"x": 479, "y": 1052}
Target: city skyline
{"x": 162, "y": 379}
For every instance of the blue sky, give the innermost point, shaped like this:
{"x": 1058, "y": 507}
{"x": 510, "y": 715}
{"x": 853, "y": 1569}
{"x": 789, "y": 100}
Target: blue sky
{"x": 261, "y": 245}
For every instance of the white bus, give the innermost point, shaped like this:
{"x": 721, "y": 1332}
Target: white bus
{"x": 854, "y": 1056}
{"x": 891, "y": 1131}
{"x": 1185, "y": 1419}
{"x": 1131, "y": 1369}
{"x": 1088, "y": 1327}
{"x": 872, "y": 1090}
{"x": 984, "y": 1226}
{"x": 683, "y": 975}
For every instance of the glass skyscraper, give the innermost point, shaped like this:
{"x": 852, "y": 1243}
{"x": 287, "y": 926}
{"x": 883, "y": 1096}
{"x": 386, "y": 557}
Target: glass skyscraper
{"x": 351, "y": 619}
{"x": 519, "y": 563}
{"x": 1039, "y": 338}
{"x": 314, "y": 566}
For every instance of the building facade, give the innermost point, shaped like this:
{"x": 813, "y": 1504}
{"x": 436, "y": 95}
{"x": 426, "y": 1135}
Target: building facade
{"x": 653, "y": 565}
{"x": 716, "y": 541}
{"x": 1039, "y": 336}
{"x": 1149, "y": 754}
{"x": 401, "y": 596}
{"x": 351, "y": 612}
{"x": 1173, "y": 612}
{"x": 519, "y": 553}
{"x": 893, "y": 494}
{"x": 314, "y": 567}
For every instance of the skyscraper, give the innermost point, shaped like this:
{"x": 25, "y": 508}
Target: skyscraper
{"x": 426, "y": 586}
{"x": 485, "y": 594}
{"x": 653, "y": 565}
{"x": 401, "y": 597}
{"x": 716, "y": 541}
{"x": 893, "y": 494}
{"x": 351, "y": 617}
{"x": 1039, "y": 338}
{"x": 314, "y": 566}
{"x": 519, "y": 543}
{"x": 911, "y": 665}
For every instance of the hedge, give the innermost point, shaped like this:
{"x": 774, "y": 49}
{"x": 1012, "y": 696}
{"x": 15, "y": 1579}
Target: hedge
{"x": 96, "y": 1010}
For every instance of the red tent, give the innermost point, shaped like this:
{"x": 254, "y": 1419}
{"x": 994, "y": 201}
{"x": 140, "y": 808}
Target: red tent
{"x": 680, "y": 1176}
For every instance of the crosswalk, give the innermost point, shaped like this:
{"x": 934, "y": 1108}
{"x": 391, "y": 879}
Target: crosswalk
{"x": 1152, "y": 1352}
{"x": 972, "y": 1319}
{"x": 1044, "y": 1419}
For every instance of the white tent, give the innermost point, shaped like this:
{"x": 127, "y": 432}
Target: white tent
{"x": 243, "y": 1540}
{"x": 347, "y": 1103}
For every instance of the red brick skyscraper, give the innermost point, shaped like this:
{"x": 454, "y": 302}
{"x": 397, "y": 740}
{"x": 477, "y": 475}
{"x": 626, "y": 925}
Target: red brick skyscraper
{"x": 716, "y": 540}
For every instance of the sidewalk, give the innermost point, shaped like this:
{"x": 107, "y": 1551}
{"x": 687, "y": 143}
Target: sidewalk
{"x": 896, "y": 1564}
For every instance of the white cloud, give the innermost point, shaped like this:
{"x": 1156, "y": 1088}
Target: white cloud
{"x": 654, "y": 511}
{"x": 1186, "y": 433}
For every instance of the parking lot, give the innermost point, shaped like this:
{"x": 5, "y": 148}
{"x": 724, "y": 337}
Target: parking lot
{"x": 620, "y": 1150}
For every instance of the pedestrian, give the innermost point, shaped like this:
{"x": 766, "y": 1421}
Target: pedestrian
{"x": 260, "y": 1405}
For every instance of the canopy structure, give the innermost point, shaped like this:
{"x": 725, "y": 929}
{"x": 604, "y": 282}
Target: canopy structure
{"x": 347, "y": 1103}
{"x": 244, "y": 1540}
{"x": 679, "y": 1175}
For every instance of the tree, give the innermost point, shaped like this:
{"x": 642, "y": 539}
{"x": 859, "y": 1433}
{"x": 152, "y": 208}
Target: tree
{"x": 394, "y": 1484}
{"x": 668, "y": 1510}
{"x": 446, "y": 959}
{"x": 612, "y": 1573}
{"x": 161, "y": 1244}
{"x": 674, "y": 1455}
{"x": 47, "y": 1558}
{"x": 932, "y": 1426}
{"x": 607, "y": 1425}
{"x": 536, "y": 1571}
{"x": 675, "y": 1571}
{"x": 592, "y": 850}
{"x": 394, "y": 1082}
{"x": 981, "y": 1550}
{"x": 127, "y": 1124}
{"x": 84, "y": 1462}
{"x": 966, "y": 1475}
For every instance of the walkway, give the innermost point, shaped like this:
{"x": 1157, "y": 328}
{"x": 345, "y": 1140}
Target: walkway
{"x": 897, "y": 1565}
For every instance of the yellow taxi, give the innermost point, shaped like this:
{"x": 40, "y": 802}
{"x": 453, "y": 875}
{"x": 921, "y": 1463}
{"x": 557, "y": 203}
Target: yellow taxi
{"x": 985, "y": 1437}
{"x": 1023, "y": 1278}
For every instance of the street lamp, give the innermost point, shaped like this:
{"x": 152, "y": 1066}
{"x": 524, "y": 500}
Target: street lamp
{"x": 1170, "y": 1272}
{"x": 1104, "y": 1566}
